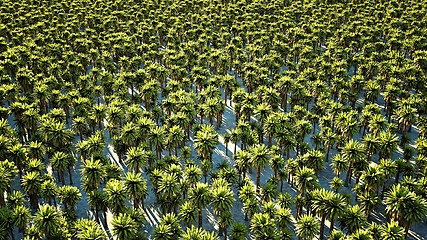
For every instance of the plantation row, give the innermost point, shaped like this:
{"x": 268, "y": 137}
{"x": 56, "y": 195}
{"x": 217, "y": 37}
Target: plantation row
{"x": 249, "y": 119}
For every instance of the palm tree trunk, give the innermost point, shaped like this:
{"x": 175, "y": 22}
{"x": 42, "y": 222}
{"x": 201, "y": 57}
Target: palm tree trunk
{"x": 71, "y": 177}
{"x": 322, "y": 226}
{"x": 200, "y": 218}
{"x": 347, "y": 178}
{"x": 62, "y": 178}
{"x": 258, "y": 178}
{"x": 331, "y": 226}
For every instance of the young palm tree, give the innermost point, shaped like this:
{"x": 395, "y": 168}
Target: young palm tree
{"x": 306, "y": 227}
{"x": 260, "y": 158}
{"x": 124, "y": 227}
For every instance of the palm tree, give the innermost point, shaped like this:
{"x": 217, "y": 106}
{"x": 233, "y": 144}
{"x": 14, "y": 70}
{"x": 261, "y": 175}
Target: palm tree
{"x": 306, "y": 227}
{"x": 238, "y": 231}
{"x": 31, "y": 184}
{"x": 205, "y": 142}
{"x": 329, "y": 139}
{"x": 339, "y": 163}
{"x": 260, "y": 158}
{"x": 188, "y": 213}
{"x": 176, "y": 135}
{"x": 392, "y": 231}
{"x": 92, "y": 174}
{"x": 225, "y": 221}
{"x": 320, "y": 206}
{"x": 69, "y": 196}
{"x": 242, "y": 158}
{"x": 283, "y": 218}
{"x": 124, "y": 227}
{"x": 305, "y": 179}
{"x": 49, "y": 222}
{"x": 21, "y": 216}
{"x": 157, "y": 138}
{"x": 88, "y": 229}
{"x": 352, "y": 152}
{"x": 263, "y": 226}
{"x": 222, "y": 199}
{"x": 388, "y": 143}
{"x": 336, "y": 184}
{"x": 59, "y": 163}
{"x": 404, "y": 206}
{"x": 97, "y": 202}
{"x": 169, "y": 189}
{"x": 136, "y": 158}
{"x": 136, "y": 187}
{"x": 201, "y": 197}
{"x": 369, "y": 201}
{"x": 115, "y": 195}
{"x": 193, "y": 234}
{"x": 352, "y": 219}
{"x": 235, "y": 138}
{"x": 79, "y": 125}
{"x": 192, "y": 174}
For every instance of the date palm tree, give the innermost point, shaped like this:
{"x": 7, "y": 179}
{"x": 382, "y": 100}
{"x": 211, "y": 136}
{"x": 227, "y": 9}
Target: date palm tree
{"x": 388, "y": 143}
{"x": 157, "y": 138}
{"x": 329, "y": 139}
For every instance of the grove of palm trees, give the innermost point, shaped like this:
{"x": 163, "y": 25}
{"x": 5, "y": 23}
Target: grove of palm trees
{"x": 213, "y": 119}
